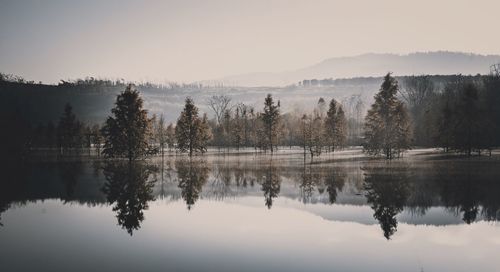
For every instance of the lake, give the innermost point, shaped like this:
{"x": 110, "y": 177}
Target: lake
{"x": 252, "y": 212}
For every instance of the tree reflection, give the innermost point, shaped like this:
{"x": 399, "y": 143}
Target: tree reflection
{"x": 387, "y": 191}
{"x": 270, "y": 184}
{"x": 462, "y": 193}
{"x": 129, "y": 188}
{"x": 13, "y": 184}
{"x": 192, "y": 175}
{"x": 3, "y": 207}
{"x": 307, "y": 184}
{"x": 69, "y": 173}
{"x": 334, "y": 181}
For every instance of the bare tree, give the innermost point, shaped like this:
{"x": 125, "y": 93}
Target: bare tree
{"x": 416, "y": 89}
{"x": 219, "y": 104}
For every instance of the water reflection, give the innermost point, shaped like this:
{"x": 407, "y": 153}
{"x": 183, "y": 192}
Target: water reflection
{"x": 334, "y": 182}
{"x": 192, "y": 175}
{"x": 320, "y": 179}
{"x": 403, "y": 192}
{"x": 387, "y": 191}
{"x": 470, "y": 193}
{"x": 129, "y": 188}
{"x": 69, "y": 173}
{"x": 270, "y": 183}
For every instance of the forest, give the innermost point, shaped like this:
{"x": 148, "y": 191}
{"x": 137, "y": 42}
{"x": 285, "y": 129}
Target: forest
{"x": 456, "y": 113}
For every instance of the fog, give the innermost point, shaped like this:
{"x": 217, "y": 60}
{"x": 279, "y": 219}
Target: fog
{"x": 188, "y": 41}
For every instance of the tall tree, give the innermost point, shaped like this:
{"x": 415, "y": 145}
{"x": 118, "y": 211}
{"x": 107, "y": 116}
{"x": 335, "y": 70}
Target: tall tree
{"x": 237, "y": 130}
{"x": 340, "y": 132}
{"x": 219, "y": 105}
{"x": 317, "y": 140}
{"x": 161, "y": 133}
{"x": 205, "y": 134}
{"x": 69, "y": 130}
{"x": 96, "y": 138}
{"x": 417, "y": 92}
{"x": 170, "y": 136}
{"x": 271, "y": 118}
{"x": 386, "y": 116}
{"x": 128, "y": 131}
{"x": 321, "y": 107}
{"x": 192, "y": 132}
{"x": 305, "y": 129}
{"x": 331, "y": 124}
{"x": 335, "y": 126}
{"x": 467, "y": 129}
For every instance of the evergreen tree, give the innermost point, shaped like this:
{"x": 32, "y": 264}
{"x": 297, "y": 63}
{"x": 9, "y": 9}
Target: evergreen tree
{"x": 226, "y": 125}
{"x": 51, "y": 135}
{"x": 340, "y": 133}
{"x": 192, "y": 133}
{"x": 317, "y": 136}
{"x": 386, "y": 122}
{"x": 321, "y": 107}
{"x": 331, "y": 124}
{"x": 444, "y": 134}
{"x": 271, "y": 118}
{"x": 467, "y": 129}
{"x": 97, "y": 138}
{"x": 305, "y": 131}
{"x": 237, "y": 130}
{"x": 170, "y": 136}
{"x": 69, "y": 130}
{"x": 205, "y": 134}
{"x": 335, "y": 126}
{"x": 466, "y": 122}
{"x": 161, "y": 133}
{"x": 128, "y": 131}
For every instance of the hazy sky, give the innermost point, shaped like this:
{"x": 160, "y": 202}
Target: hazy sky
{"x": 194, "y": 40}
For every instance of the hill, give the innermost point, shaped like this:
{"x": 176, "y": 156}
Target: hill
{"x": 370, "y": 65}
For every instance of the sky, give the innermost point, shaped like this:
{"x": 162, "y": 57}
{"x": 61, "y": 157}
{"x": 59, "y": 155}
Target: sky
{"x": 187, "y": 40}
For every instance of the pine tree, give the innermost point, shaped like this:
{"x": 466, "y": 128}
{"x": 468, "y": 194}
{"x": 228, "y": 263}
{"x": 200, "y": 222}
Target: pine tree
{"x": 271, "y": 118}
{"x": 386, "y": 121}
{"x": 161, "y": 133}
{"x": 97, "y": 138}
{"x": 335, "y": 126}
{"x": 226, "y": 122}
{"x": 128, "y": 131}
{"x": 192, "y": 133}
{"x": 467, "y": 129}
{"x": 170, "y": 136}
{"x": 69, "y": 130}
{"x": 205, "y": 134}
{"x": 331, "y": 124}
{"x": 340, "y": 132}
{"x": 237, "y": 130}
{"x": 305, "y": 131}
{"x": 321, "y": 107}
{"x": 402, "y": 129}
{"x": 317, "y": 136}
{"x": 444, "y": 116}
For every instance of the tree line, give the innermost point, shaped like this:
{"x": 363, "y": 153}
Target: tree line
{"x": 461, "y": 115}
{"x": 131, "y": 133}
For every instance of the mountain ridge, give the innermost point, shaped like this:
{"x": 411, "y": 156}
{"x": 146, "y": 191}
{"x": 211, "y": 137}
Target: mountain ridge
{"x": 372, "y": 64}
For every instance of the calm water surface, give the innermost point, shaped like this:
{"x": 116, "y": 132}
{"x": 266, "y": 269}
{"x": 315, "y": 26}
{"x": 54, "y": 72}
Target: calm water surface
{"x": 251, "y": 213}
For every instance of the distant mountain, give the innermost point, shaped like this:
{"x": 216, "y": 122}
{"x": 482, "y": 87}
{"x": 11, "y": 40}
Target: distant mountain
{"x": 440, "y": 62}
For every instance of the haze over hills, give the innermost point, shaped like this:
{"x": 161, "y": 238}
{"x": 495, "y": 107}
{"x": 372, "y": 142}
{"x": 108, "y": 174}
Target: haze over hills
{"x": 439, "y": 62}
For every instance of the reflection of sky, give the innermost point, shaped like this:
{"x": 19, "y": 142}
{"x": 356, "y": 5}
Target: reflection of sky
{"x": 234, "y": 236}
